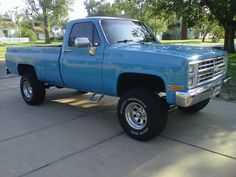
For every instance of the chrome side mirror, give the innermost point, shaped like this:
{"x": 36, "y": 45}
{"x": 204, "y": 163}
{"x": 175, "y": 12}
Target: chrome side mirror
{"x": 82, "y": 42}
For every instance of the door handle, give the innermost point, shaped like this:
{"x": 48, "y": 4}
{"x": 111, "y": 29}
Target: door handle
{"x": 67, "y": 50}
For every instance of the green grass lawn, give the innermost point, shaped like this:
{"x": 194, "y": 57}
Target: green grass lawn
{"x": 229, "y": 89}
{"x": 190, "y": 41}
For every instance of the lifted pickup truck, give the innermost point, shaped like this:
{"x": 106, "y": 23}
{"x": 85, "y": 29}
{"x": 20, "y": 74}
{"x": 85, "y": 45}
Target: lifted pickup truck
{"x": 122, "y": 57}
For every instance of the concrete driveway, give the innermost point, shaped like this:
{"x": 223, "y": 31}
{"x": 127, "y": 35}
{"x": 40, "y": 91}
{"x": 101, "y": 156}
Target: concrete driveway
{"x": 2, "y": 68}
{"x": 69, "y": 137}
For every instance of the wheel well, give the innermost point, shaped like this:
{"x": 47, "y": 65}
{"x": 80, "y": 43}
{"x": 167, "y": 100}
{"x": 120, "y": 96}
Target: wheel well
{"x": 26, "y": 69}
{"x": 132, "y": 80}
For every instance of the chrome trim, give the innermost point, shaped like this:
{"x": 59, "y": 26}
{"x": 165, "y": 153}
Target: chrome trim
{"x": 100, "y": 21}
{"x": 196, "y": 95}
{"x": 136, "y": 115}
{"x": 215, "y": 72}
{"x": 27, "y": 89}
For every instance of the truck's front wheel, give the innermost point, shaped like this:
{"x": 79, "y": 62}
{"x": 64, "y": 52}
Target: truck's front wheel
{"x": 32, "y": 91}
{"x": 142, "y": 113}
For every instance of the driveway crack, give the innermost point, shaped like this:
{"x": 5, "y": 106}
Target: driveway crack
{"x": 69, "y": 155}
{"x": 50, "y": 126}
{"x": 202, "y": 148}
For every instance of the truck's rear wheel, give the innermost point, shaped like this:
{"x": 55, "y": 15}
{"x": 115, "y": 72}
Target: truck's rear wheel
{"x": 32, "y": 91}
{"x": 142, "y": 113}
{"x": 196, "y": 107}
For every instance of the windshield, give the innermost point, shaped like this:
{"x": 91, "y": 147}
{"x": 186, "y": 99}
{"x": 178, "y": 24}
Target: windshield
{"x": 123, "y": 31}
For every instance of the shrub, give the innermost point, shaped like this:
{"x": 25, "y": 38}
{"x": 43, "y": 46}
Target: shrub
{"x": 166, "y": 36}
{"x": 56, "y": 39}
{"x": 28, "y": 33}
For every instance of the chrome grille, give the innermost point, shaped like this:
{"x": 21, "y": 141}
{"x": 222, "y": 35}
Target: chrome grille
{"x": 211, "y": 69}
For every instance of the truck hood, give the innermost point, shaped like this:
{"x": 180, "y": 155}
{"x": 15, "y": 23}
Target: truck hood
{"x": 190, "y": 53}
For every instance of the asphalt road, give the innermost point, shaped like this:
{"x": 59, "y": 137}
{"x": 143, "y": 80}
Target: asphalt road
{"x": 69, "y": 137}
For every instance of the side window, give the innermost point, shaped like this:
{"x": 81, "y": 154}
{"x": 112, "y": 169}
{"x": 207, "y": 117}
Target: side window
{"x": 84, "y": 29}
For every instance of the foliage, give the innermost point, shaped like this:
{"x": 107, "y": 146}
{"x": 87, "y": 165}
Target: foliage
{"x": 229, "y": 89}
{"x": 143, "y": 10}
{"x": 136, "y": 9}
{"x": 206, "y": 27}
{"x": 193, "y": 11}
{"x": 55, "y": 39}
{"x": 48, "y": 12}
{"x": 25, "y": 21}
{"x": 101, "y": 8}
{"x": 28, "y": 33}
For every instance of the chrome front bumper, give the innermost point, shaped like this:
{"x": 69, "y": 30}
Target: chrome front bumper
{"x": 191, "y": 97}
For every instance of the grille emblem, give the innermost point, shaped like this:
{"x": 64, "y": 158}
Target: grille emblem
{"x": 216, "y": 69}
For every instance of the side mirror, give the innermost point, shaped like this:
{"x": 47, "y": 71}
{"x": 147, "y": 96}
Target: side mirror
{"x": 82, "y": 42}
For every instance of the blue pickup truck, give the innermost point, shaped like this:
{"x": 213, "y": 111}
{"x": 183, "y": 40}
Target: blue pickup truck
{"x": 122, "y": 58}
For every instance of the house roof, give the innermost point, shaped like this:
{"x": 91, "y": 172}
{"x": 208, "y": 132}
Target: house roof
{"x": 38, "y": 29}
{"x": 7, "y": 24}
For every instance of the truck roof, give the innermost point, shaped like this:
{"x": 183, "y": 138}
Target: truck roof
{"x": 97, "y": 18}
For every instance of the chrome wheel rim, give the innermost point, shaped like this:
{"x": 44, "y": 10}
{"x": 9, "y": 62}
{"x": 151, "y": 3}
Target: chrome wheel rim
{"x": 27, "y": 89}
{"x": 136, "y": 116}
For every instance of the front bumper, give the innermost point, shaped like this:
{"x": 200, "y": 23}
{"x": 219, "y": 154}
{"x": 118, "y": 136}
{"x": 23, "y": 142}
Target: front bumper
{"x": 196, "y": 95}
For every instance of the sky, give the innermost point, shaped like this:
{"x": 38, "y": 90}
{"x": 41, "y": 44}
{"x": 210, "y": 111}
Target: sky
{"x": 78, "y": 7}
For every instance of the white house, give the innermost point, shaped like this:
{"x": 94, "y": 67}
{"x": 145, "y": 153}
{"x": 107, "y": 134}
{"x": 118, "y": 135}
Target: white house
{"x": 57, "y": 31}
{"x": 9, "y": 32}
{"x": 8, "y": 28}
{"x": 39, "y": 32}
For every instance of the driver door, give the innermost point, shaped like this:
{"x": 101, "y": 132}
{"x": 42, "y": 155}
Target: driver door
{"x": 81, "y": 66}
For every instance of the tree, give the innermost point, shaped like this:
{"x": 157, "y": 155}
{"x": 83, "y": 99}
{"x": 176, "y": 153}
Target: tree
{"x": 48, "y": 12}
{"x": 192, "y": 11}
{"x": 136, "y": 9}
{"x": 91, "y": 7}
{"x": 101, "y": 8}
{"x": 143, "y": 11}
{"x": 208, "y": 26}
{"x": 25, "y": 32}
{"x": 225, "y": 12}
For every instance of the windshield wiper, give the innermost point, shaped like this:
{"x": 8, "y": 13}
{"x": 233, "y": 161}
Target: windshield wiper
{"x": 148, "y": 41}
{"x": 125, "y": 41}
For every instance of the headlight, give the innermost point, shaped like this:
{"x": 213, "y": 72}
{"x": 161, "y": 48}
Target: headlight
{"x": 192, "y": 73}
{"x": 190, "y": 81}
{"x": 191, "y": 68}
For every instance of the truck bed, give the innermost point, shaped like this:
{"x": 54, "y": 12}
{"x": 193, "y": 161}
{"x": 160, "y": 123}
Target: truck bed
{"x": 45, "y": 60}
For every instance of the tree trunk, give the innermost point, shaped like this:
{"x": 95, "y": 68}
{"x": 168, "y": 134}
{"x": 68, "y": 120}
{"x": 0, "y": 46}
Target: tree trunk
{"x": 46, "y": 26}
{"x": 47, "y": 36}
{"x": 204, "y": 37}
{"x": 229, "y": 37}
{"x": 184, "y": 31}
